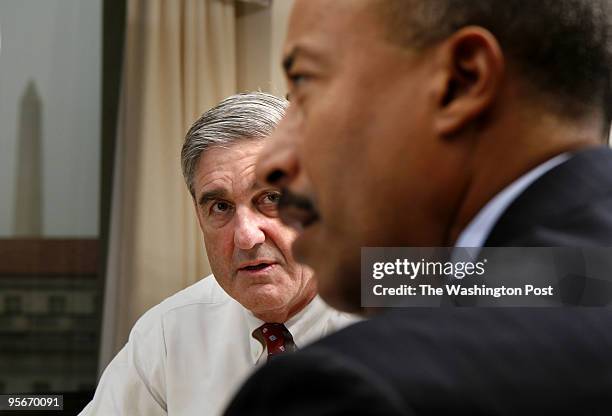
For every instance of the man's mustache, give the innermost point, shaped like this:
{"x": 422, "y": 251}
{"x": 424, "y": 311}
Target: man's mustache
{"x": 296, "y": 209}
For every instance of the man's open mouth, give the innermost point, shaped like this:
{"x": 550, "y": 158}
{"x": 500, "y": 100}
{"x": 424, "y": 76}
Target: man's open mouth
{"x": 255, "y": 267}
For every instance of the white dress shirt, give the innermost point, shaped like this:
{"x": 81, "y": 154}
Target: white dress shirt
{"x": 189, "y": 354}
{"x": 477, "y": 231}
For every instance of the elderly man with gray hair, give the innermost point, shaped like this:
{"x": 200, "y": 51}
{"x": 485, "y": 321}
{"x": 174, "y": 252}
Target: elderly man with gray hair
{"x": 187, "y": 355}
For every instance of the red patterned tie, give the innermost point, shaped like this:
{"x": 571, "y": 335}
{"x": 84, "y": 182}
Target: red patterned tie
{"x": 276, "y": 337}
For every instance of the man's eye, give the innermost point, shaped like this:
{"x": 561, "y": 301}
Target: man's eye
{"x": 271, "y": 198}
{"x": 297, "y": 79}
{"x": 268, "y": 203}
{"x": 220, "y": 207}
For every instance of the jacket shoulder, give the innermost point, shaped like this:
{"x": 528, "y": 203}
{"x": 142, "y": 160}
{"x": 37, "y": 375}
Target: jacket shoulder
{"x": 317, "y": 380}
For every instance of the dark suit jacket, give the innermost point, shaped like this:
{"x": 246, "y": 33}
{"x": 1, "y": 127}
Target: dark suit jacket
{"x": 469, "y": 361}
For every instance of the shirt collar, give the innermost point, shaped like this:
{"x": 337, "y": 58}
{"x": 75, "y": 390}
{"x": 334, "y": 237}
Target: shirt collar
{"x": 308, "y": 324}
{"x": 305, "y": 326}
{"x": 477, "y": 231}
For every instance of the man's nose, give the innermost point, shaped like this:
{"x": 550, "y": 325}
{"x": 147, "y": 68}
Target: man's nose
{"x": 248, "y": 232}
{"x": 278, "y": 164}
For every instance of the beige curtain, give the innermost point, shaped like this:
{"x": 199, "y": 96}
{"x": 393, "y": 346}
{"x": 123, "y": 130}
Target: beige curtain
{"x": 280, "y": 12}
{"x": 179, "y": 60}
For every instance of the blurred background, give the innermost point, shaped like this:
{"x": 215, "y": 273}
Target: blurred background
{"x": 96, "y": 225}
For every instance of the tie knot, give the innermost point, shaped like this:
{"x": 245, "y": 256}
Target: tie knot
{"x": 276, "y": 338}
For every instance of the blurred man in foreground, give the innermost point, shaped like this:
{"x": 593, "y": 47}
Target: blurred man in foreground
{"x": 443, "y": 123}
{"x": 188, "y": 354}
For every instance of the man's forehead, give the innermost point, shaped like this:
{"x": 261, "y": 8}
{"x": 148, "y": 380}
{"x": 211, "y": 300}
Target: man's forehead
{"x": 228, "y": 167}
{"x": 229, "y": 157}
{"x": 229, "y": 186}
{"x": 311, "y": 19}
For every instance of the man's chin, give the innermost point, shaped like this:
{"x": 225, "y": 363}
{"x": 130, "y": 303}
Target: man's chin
{"x": 263, "y": 297}
{"x": 309, "y": 247}
{"x": 345, "y": 300}
{"x": 338, "y": 278}
{"x": 339, "y": 283}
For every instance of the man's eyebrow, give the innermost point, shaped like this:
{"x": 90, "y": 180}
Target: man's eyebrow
{"x": 307, "y": 52}
{"x": 211, "y": 195}
{"x": 256, "y": 185}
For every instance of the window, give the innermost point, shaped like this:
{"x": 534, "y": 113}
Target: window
{"x": 41, "y": 387}
{"x": 57, "y": 304}
{"x": 51, "y": 155}
{"x": 12, "y": 305}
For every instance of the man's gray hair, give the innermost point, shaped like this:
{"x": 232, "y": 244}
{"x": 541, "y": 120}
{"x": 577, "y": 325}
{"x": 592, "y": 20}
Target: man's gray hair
{"x": 252, "y": 115}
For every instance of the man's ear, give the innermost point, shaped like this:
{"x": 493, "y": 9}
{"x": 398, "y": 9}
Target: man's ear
{"x": 473, "y": 67}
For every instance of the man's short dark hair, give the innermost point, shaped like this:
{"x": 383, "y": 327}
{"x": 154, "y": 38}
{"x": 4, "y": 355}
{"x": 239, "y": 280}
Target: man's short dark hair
{"x": 560, "y": 47}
